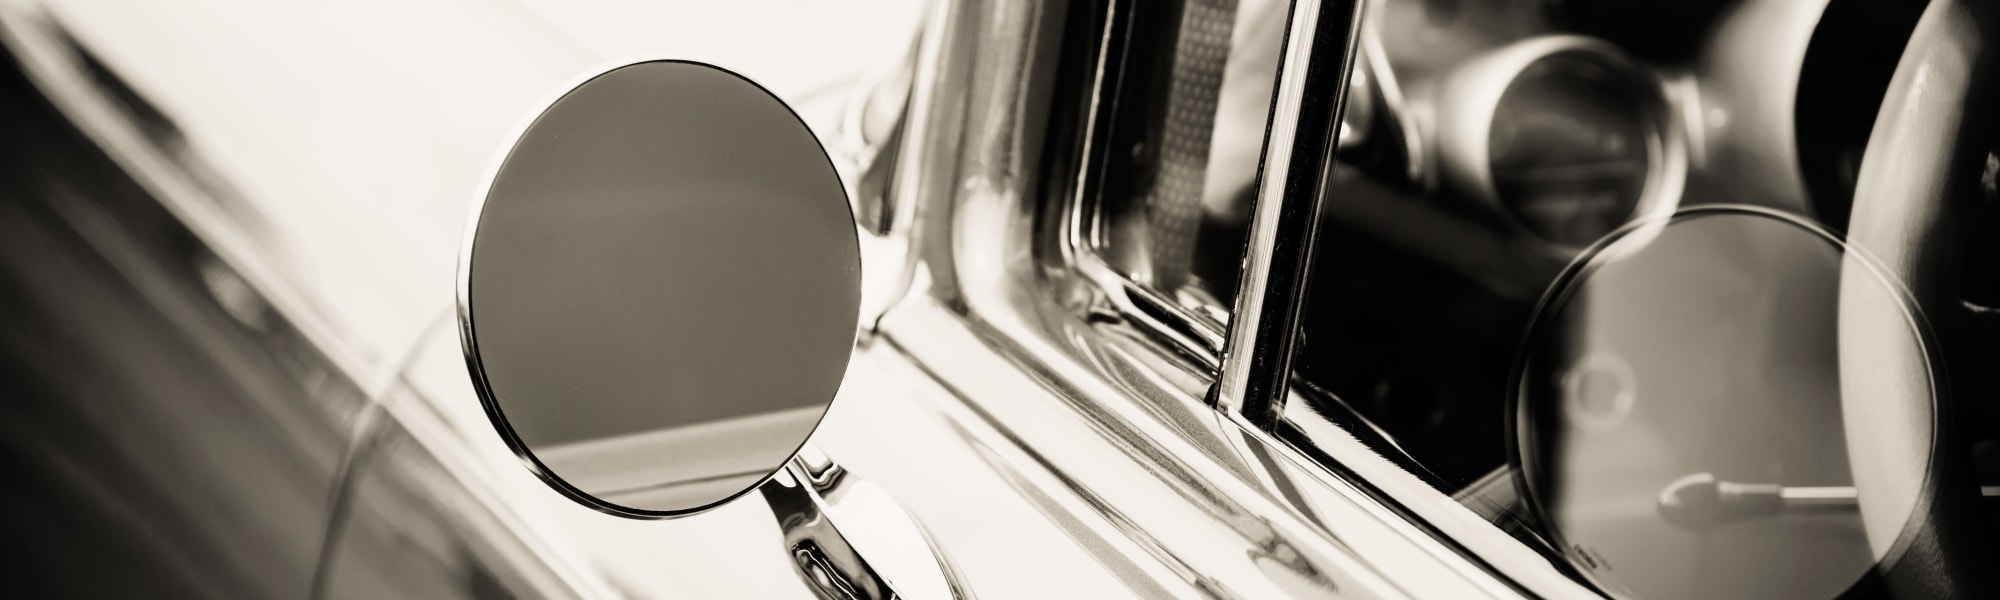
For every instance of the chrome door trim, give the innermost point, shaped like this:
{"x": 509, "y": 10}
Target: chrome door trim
{"x": 1337, "y": 454}
{"x": 1320, "y": 47}
{"x": 1254, "y": 383}
{"x": 1115, "y": 442}
{"x": 929, "y": 136}
{"x": 1183, "y": 331}
{"x": 1153, "y": 505}
{"x": 1180, "y": 330}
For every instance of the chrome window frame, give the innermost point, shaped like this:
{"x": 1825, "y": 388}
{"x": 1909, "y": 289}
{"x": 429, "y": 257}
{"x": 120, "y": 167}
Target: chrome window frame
{"x": 1107, "y": 429}
{"x": 1254, "y": 384}
{"x": 1152, "y": 313}
{"x": 1320, "y": 47}
{"x": 1243, "y": 367}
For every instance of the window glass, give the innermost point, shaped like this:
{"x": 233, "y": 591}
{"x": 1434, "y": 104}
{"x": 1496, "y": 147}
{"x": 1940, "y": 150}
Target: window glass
{"x": 1617, "y": 332}
{"x": 1188, "y": 126}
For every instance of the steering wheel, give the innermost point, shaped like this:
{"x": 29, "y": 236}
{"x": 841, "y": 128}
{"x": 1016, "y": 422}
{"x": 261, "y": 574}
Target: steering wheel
{"x": 1913, "y": 403}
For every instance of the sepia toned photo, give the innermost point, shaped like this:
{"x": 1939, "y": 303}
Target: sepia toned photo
{"x": 993, "y": 299}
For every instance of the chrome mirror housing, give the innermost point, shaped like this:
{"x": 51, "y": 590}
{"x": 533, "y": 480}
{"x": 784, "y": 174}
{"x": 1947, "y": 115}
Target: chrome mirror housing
{"x": 660, "y": 289}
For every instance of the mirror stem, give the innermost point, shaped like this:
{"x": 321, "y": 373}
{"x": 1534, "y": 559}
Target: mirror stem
{"x": 813, "y": 498}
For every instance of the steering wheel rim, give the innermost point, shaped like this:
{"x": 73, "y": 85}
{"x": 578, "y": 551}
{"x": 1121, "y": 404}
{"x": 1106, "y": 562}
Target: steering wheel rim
{"x": 1917, "y": 189}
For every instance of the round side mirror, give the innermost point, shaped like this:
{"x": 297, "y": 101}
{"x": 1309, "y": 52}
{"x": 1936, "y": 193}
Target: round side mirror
{"x": 659, "y": 294}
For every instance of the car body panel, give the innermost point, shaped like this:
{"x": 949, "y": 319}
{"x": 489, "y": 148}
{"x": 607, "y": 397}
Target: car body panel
{"x": 177, "y": 434}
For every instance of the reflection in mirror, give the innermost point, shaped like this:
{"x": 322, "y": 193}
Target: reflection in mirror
{"x": 1681, "y": 411}
{"x": 660, "y": 292}
{"x": 1742, "y": 403}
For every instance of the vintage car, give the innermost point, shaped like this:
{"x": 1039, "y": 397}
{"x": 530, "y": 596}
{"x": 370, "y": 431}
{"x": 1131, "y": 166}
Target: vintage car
{"x": 1175, "y": 299}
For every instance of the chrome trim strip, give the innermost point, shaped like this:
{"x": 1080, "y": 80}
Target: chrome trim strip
{"x": 1176, "y": 499}
{"x": 1320, "y": 49}
{"x": 930, "y": 134}
{"x": 1128, "y": 482}
{"x": 1185, "y": 331}
{"x": 1459, "y": 529}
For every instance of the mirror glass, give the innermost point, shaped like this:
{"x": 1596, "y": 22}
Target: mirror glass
{"x": 1687, "y": 417}
{"x": 661, "y": 289}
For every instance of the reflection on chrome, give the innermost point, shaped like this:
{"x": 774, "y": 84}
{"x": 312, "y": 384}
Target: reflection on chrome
{"x": 1162, "y": 299}
{"x": 885, "y": 556}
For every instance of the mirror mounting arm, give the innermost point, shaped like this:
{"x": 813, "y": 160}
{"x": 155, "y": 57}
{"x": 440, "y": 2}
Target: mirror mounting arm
{"x": 812, "y": 497}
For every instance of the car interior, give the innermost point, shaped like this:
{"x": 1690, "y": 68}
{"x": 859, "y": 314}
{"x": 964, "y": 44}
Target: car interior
{"x": 1597, "y": 270}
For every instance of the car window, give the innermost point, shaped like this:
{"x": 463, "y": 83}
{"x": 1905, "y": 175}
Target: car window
{"x": 1182, "y": 150}
{"x": 1606, "y": 328}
